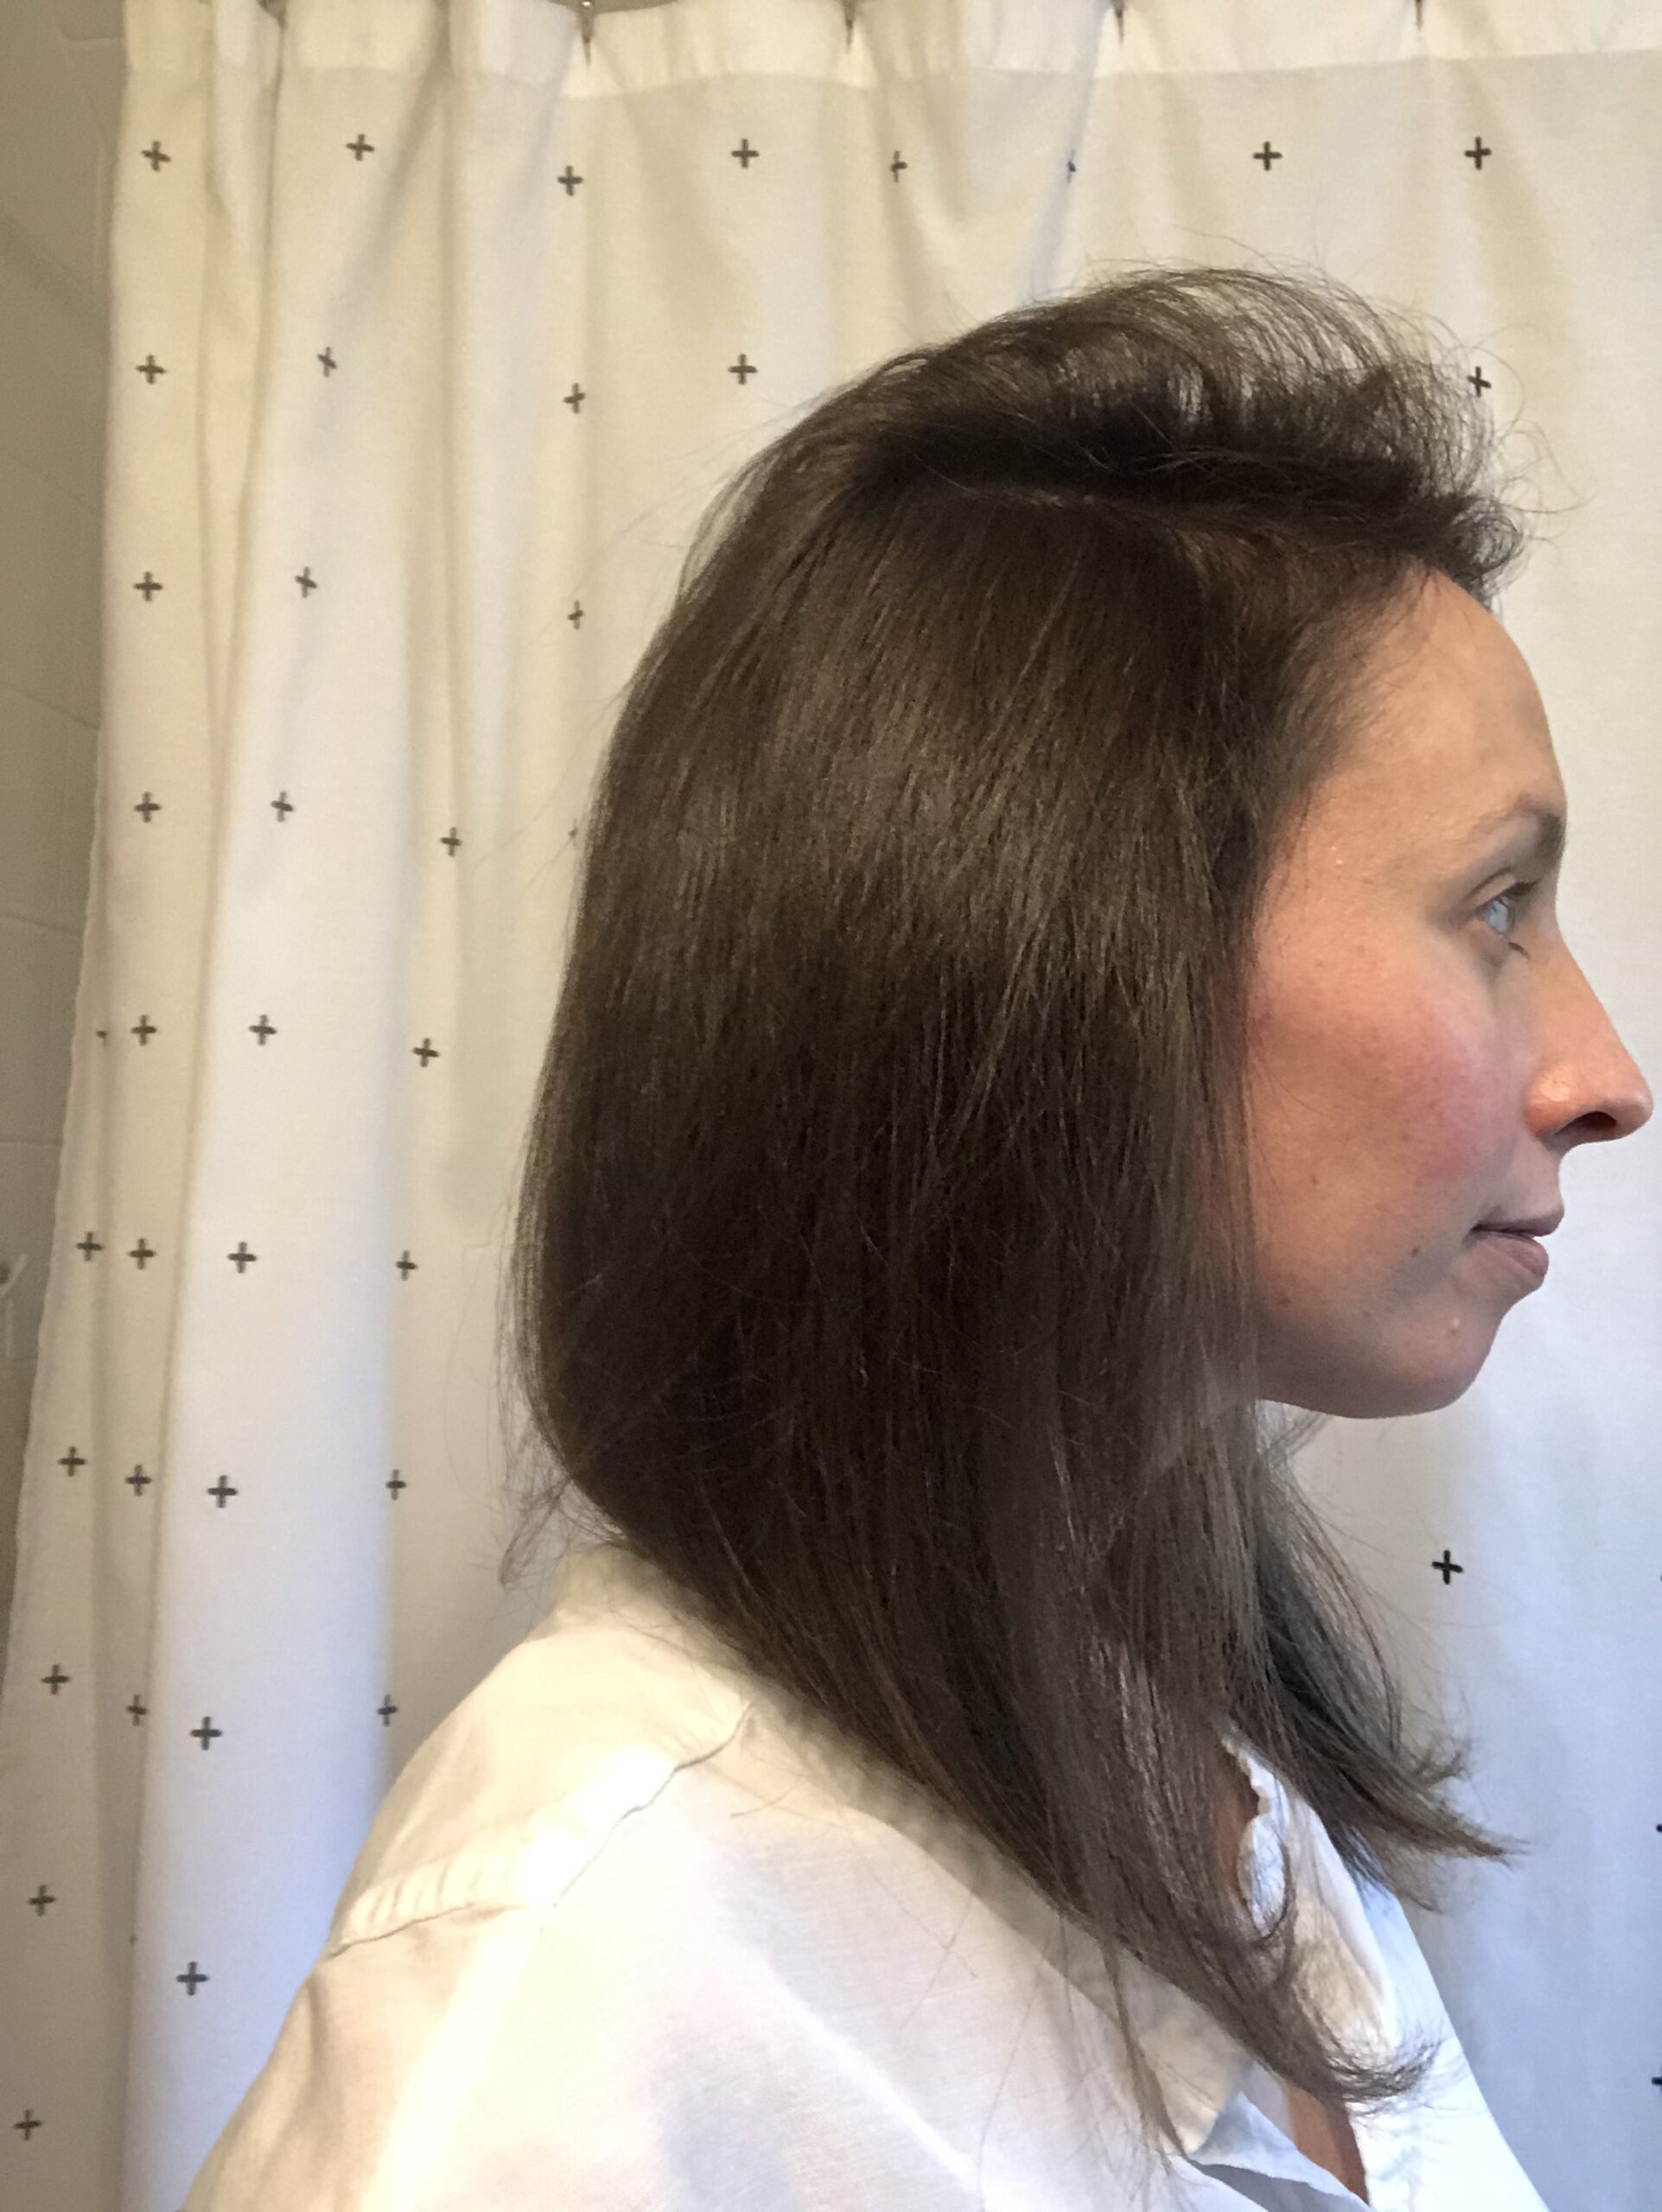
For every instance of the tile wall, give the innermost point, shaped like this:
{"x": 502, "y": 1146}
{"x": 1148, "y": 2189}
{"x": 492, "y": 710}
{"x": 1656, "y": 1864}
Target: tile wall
{"x": 61, "y": 77}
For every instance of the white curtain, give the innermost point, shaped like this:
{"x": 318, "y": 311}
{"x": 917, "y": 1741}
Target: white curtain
{"x": 433, "y": 329}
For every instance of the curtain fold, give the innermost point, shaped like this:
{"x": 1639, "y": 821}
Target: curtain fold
{"x": 432, "y": 332}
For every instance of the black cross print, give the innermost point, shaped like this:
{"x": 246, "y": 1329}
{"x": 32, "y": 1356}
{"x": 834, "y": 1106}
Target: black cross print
{"x": 569, "y": 179}
{"x": 154, "y": 156}
{"x": 744, "y": 368}
{"x": 193, "y": 1979}
{"x": 205, "y": 1733}
{"x": 28, "y": 2123}
{"x": 282, "y": 806}
{"x": 327, "y": 357}
{"x": 148, "y": 806}
{"x": 358, "y": 147}
{"x": 149, "y": 368}
{"x": 1266, "y": 153}
{"x": 262, "y": 1029}
{"x": 744, "y": 153}
{"x": 241, "y": 1258}
{"x": 56, "y": 1679}
{"x": 386, "y": 1709}
{"x": 406, "y": 1266}
{"x": 222, "y": 1489}
{"x": 143, "y": 1029}
{"x": 395, "y": 1483}
{"x": 575, "y": 618}
{"x": 140, "y": 1252}
{"x": 897, "y": 165}
{"x": 41, "y": 1899}
{"x": 306, "y": 582}
{"x": 88, "y": 1245}
{"x": 137, "y": 1708}
{"x": 1445, "y": 1567}
{"x": 1477, "y": 381}
{"x": 451, "y": 840}
{"x": 573, "y": 399}
{"x": 138, "y": 1481}
{"x": 148, "y": 586}
{"x": 427, "y": 1050}
{"x": 72, "y": 1459}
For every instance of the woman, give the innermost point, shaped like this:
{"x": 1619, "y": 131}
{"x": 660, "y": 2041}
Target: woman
{"x": 1059, "y": 967}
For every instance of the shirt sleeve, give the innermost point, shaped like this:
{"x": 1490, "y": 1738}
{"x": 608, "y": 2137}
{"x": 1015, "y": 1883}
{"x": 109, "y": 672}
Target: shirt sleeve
{"x": 505, "y": 2059}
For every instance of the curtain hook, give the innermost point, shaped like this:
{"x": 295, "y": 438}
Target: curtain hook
{"x": 586, "y": 11}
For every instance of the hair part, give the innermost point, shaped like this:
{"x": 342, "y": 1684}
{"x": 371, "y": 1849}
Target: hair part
{"x": 883, "y": 1261}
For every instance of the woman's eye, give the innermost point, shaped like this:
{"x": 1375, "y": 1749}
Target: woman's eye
{"x": 1516, "y": 895}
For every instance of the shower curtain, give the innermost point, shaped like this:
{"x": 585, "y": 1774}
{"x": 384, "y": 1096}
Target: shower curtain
{"x": 433, "y": 329}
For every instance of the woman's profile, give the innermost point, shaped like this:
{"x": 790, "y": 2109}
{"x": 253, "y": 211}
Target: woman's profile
{"x": 1065, "y": 965}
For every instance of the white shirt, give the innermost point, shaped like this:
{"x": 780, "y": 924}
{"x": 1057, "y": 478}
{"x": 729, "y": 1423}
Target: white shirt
{"x": 635, "y": 1932}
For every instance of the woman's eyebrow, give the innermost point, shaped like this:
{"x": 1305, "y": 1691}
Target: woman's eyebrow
{"x": 1550, "y": 829}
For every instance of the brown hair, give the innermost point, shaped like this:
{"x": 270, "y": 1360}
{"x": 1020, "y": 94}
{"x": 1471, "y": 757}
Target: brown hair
{"x": 882, "y": 1269}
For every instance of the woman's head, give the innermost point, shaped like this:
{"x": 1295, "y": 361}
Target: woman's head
{"x": 956, "y": 1110}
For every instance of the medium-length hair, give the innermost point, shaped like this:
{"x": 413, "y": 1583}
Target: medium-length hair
{"x": 882, "y": 1266}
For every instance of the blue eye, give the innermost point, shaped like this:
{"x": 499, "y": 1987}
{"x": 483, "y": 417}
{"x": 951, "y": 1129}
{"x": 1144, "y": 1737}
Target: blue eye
{"x": 1516, "y": 894}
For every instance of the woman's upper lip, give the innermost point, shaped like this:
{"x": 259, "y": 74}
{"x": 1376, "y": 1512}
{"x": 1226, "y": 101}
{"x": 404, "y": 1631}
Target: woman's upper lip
{"x": 1542, "y": 1225}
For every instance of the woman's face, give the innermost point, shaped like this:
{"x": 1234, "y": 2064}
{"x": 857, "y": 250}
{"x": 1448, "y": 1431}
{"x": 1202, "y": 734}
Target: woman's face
{"x": 1424, "y": 1052}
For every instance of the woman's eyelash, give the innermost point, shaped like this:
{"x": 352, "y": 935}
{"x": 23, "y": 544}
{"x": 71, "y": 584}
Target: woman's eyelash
{"x": 1519, "y": 893}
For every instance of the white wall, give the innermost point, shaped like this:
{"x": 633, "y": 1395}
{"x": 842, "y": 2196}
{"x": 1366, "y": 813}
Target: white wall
{"x": 61, "y": 73}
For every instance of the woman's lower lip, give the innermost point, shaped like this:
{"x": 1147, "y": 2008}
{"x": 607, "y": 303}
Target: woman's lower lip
{"x": 1525, "y": 1255}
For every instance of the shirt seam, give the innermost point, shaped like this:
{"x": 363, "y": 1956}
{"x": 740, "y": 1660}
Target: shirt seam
{"x": 416, "y": 1917}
